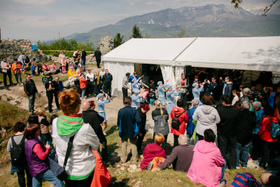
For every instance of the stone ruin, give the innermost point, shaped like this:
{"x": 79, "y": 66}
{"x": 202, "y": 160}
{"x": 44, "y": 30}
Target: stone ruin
{"x": 105, "y": 43}
{"x": 13, "y": 48}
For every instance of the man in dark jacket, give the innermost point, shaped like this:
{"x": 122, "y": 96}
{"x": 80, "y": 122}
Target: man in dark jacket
{"x": 180, "y": 157}
{"x": 58, "y": 88}
{"x": 83, "y": 58}
{"x": 128, "y": 118}
{"x": 90, "y": 116}
{"x": 227, "y": 130}
{"x": 107, "y": 81}
{"x": 97, "y": 55}
{"x": 246, "y": 123}
{"x": 50, "y": 91}
{"x": 31, "y": 91}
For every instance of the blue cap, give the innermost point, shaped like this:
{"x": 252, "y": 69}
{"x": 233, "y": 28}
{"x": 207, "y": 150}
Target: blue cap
{"x": 168, "y": 87}
{"x": 136, "y": 91}
{"x": 100, "y": 95}
{"x": 159, "y": 82}
{"x": 194, "y": 84}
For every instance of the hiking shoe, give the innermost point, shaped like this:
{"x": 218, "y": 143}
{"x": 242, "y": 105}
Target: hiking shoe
{"x": 104, "y": 133}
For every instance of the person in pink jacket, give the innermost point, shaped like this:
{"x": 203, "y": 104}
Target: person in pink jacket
{"x": 206, "y": 167}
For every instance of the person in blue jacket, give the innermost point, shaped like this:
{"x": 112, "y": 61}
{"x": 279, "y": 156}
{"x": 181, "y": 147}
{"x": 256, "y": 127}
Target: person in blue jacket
{"x": 101, "y": 109}
{"x": 161, "y": 91}
{"x": 190, "y": 127}
{"x": 170, "y": 98}
{"x": 128, "y": 120}
{"x": 136, "y": 98}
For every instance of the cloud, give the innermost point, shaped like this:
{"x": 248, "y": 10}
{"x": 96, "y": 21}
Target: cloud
{"x": 34, "y": 2}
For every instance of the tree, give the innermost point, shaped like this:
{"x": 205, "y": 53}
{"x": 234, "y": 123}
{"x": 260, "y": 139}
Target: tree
{"x": 136, "y": 32}
{"x": 181, "y": 33}
{"x": 118, "y": 40}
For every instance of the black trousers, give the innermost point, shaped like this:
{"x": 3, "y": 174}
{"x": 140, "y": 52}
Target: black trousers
{"x": 50, "y": 100}
{"x": 56, "y": 100}
{"x": 268, "y": 152}
{"x": 98, "y": 63}
{"x": 175, "y": 140}
{"x": 140, "y": 141}
{"x": 21, "y": 178}
{"x": 9, "y": 74}
{"x": 225, "y": 144}
{"x": 257, "y": 147}
{"x": 107, "y": 89}
{"x": 124, "y": 92}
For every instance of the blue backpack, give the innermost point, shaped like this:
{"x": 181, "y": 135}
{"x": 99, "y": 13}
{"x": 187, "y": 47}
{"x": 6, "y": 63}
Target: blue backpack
{"x": 275, "y": 129}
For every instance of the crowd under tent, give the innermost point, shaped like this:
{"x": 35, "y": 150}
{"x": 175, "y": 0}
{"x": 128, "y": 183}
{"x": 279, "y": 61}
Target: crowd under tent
{"x": 166, "y": 58}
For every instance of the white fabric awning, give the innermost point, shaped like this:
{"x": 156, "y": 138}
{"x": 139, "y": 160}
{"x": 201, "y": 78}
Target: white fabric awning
{"x": 149, "y": 51}
{"x": 247, "y": 53}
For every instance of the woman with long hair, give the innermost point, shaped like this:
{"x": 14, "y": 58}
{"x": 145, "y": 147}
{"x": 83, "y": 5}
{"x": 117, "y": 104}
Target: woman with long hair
{"x": 160, "y": 117}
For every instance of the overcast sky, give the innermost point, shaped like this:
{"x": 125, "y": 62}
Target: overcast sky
{"x": 46, "y": 19}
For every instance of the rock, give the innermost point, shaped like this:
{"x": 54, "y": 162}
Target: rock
{"x": 179, "y": 180}
{"x": 105, "y": 43}
{"x": 137, "y": 184}
{"x": 133, "y": 166}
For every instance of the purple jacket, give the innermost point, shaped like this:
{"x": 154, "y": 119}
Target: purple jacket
{"x": 35, "y": 165}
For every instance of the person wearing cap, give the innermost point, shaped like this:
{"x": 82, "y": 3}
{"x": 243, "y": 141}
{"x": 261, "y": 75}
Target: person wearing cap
{"x": 197, "y": 88}
{"x": 136, "y": 83}
{"x": 135, "y": 98}
{"x": 161, "y": 91}
{"x": 170, "y": 98}
{"x": 180, "y": 157}
{"x": 190, "y": 127}
{"x": 90, "y": 116}
{"x": 101, "y": 109}
{"x": 127, "y": 121}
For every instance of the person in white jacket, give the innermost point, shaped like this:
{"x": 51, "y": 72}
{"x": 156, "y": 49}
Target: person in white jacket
{"x": 206, "y": 116}
{"x": 81, "y": 163}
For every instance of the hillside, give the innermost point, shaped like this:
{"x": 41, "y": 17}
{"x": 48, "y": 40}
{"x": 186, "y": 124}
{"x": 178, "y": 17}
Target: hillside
{"x": 203, "y": 21}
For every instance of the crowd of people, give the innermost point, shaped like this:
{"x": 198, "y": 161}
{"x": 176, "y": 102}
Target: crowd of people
{"x": 209, "y": 134}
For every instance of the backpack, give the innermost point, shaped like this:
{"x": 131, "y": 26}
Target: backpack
{"x": 45, "y": 79}
{"x": 17, "y": 153}
{"x": 275, "y": 129}
{"x": 175, "y": 121}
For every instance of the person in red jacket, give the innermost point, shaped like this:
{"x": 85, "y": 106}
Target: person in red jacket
{"x": 153, "y": 150}
{"x": 83, "y": 86}
{"x": 268, "y": 143}
{"x": 183, "y": 119}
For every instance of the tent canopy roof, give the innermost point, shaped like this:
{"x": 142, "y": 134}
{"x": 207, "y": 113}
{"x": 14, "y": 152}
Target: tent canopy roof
{"x": 246, "y": 53}
{"x": 149, "y": 50}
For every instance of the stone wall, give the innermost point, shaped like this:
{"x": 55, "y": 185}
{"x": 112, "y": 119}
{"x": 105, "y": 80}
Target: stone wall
{"x": 105, "y": 43}
{"x": 13, "y": 48}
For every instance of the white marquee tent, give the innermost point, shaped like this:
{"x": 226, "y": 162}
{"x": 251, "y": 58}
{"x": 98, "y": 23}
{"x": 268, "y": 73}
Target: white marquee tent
{"x": 172, "y": 54}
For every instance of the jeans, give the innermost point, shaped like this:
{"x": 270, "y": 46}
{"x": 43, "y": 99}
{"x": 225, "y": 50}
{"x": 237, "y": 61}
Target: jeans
{"x": 46, "y": 138}
{"x": 83, "y": 63}
{"x": 242, "y": 152}
{"x": 223, "y": 170}
{"x": 31, "y": 99}
{"x": 133, "y": 142}
{"x": 47, "y": 175}
{"x": 83, "y": 93}
{"x": 190, "y": 140}
{"x": 21, "y": 178}
{"x": 198, "y": 138}
{"x": 18, "y": 77}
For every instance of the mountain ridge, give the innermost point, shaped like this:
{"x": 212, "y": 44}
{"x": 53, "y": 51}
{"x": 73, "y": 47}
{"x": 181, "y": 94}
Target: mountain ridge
{"x": 202, "y": 21}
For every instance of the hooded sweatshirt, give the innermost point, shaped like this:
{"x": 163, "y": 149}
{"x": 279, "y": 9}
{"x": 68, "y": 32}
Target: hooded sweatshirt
{"x": 81, "y": 162}
{"x": 207, "y": 117}
{"x": 265, "y": 128}
{"x": 206, "y": 164}
{"x": 151, "y": 151}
